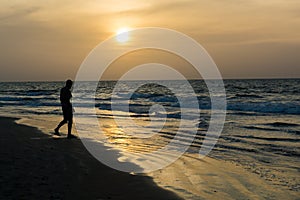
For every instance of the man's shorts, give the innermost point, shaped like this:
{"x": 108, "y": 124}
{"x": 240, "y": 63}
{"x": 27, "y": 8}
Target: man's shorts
{"x": 68, "y": 113}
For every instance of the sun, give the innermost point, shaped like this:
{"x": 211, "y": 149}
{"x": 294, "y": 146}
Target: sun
{"x": 123, "y": 34}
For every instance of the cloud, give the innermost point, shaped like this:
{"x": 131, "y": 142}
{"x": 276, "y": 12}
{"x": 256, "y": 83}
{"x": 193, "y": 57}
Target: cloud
{"x": 18, "y": 13}
{"x": 39, "y": 37}
{"x": 155, "y": 8}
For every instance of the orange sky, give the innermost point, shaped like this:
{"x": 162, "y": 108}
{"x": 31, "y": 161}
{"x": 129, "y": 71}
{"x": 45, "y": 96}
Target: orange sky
{"x": 48, "y": 40}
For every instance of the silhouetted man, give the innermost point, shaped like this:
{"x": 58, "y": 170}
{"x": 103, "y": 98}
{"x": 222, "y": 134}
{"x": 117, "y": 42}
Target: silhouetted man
{"x": 65, "y": 96}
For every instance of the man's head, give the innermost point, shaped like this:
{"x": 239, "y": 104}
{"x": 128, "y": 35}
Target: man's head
{"x": 69, "y": 83}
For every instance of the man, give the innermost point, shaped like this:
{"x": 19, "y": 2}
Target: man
{"x": 65, "y": 96}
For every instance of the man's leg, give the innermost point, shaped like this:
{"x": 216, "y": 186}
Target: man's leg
{"x": 70, "y": 122}
{"x": 59, "y": 125}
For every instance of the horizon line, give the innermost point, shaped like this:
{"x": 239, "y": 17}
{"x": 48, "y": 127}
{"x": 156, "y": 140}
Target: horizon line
{"x": 250, "y": 78}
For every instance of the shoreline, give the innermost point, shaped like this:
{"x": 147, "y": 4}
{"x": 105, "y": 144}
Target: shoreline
{"x": 45, "y": 168}
{"x": 193, "y": 178}
{"x": 36, "y": 166}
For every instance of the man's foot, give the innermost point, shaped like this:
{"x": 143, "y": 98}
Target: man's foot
{"x": 71, "y": 136}
{"x": 56, "y": 132}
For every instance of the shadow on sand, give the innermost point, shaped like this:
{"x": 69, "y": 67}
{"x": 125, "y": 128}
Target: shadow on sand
{"x": 63, "y": 169}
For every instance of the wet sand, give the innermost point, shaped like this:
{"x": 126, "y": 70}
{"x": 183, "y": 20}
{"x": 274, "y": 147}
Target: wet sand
{"x": 194, "y": 178}
{"x": 36, "y": 166}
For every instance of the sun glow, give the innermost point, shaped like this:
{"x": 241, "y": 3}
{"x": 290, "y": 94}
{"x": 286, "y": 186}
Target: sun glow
{"x": 122, "y": 34}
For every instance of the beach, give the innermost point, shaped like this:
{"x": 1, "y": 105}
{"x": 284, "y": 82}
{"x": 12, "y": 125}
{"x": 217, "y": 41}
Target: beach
{"x": 255, "y": 157}
{"x": 194, "y": 178}
{"x": 36, "y": 166}
{"x": 149, "y": 99}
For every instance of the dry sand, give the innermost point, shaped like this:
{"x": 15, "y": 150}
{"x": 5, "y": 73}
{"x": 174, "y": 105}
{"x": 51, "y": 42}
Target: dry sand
{"x": 36, "y": 166}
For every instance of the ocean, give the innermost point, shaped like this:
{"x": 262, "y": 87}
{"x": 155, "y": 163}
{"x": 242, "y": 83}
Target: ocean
{"x": 261, "y": 132}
